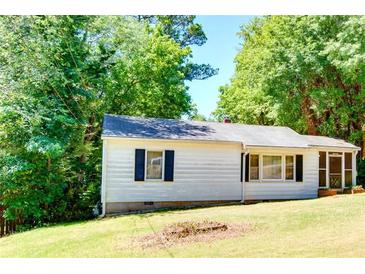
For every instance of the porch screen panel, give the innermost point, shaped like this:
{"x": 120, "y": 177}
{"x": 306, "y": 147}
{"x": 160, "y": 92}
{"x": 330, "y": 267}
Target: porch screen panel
{"x": 348, "y": 169}
{"x": 335, "y": 171}
{"x": 322, "y": 169}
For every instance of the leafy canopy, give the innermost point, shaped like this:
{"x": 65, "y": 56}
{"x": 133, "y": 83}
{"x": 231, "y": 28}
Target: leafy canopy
{"x": 306, "y": 72}
{"x": 58, "y": 76}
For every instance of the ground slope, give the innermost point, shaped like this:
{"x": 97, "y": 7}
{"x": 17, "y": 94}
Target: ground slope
{"x": 326, "y": 227}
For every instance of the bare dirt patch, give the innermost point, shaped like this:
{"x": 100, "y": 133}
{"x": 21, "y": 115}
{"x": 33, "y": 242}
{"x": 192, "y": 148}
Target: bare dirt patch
{"x": 189, "y": 232}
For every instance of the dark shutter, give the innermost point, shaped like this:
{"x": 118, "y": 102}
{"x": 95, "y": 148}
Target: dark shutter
{"x": 241, "y": 167}
{"x": 247, "y": 167}
{"x": 139, "y": 161}
{"x": 169, "y": 165}
{"x": 299, "y": 168}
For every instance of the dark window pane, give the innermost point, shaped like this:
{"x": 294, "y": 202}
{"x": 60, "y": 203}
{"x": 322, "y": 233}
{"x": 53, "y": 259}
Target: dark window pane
{"x": 254, "y": 167}
{"x": 322, "y": 178}
{"x": 335, "y": 181}
{"x": 348, "y": 160}
{"x": 335, "y": 165}
{"x": 322, "y": 159}
{"x": 348, "y": 177}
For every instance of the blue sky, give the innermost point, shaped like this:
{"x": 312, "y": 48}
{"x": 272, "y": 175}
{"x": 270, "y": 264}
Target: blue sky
{"x": 219, "y": 51}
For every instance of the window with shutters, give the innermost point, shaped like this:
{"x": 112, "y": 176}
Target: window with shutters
{"x": 272, "y": 168}
{"x": 154, "y": 164}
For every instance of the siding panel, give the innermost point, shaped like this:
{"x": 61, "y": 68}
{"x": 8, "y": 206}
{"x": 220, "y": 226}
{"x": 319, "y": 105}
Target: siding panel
{"x": 202, "y": 172}
{"x": 288, "y": 190}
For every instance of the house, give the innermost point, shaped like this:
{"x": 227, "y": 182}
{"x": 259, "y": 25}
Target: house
{"x": 150, "y": 163}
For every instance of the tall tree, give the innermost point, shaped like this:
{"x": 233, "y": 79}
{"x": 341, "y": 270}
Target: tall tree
{"x": 58, "y": 76}
{"x": 307, "y": 69}
{"x": 186, "y": 32}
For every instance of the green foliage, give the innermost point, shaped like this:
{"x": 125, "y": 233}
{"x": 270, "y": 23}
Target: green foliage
{"x": 306, "y": 72}
{"x": 58, "y": 76}
{"x": 184, "y": 31}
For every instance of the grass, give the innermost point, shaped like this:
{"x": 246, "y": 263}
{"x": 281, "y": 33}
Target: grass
{"x": 326, "y": 227}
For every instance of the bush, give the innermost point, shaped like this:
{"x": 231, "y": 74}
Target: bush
{"x": 360, "y": 180}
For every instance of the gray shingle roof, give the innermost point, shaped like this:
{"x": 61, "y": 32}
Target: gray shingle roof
{"x": 251, "y": 135}
{"x": 324, "y": 141}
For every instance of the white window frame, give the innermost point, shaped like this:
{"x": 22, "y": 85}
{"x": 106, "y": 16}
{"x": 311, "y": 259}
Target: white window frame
{"x": 162, "y": 167}
{"x": 294, "y": 168}
{"x": 283, "y": 167}
{"x": 249, "y": 168}
{"x": 262, "y": 169}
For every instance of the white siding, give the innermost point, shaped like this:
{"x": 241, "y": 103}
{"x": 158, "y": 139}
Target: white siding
{"x": 203, "y": 171}
{"x": 287, "y": 190}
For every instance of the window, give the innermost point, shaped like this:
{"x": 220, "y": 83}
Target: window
{"x": 322, "y": 169}
{"x": 289, "y": 167}
{"x": 271, "y": 167}
{"x": 154, "y": 164}
{"x": 348, "y": 169}
{"x": 254, "y": 167}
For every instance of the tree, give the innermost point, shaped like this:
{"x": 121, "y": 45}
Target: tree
{"x": 58, "y": 76}
{"x": 184, "y": 31}
{"x": 307, "y": 69}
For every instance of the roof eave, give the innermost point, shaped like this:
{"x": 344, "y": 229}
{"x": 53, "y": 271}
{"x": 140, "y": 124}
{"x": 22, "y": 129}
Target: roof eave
{"x": 110, "y": 137}
{"x": 341, "y": 147}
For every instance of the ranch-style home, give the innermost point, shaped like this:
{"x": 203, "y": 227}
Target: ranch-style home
{"x": 151, "y": 163}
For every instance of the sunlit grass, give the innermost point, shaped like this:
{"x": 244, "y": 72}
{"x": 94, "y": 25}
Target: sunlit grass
{"x": 326, "y": 227}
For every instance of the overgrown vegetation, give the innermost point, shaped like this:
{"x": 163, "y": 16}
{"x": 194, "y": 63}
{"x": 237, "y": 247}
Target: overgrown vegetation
{"x": 306, "y": 72}
{"x": 58, "y": 76}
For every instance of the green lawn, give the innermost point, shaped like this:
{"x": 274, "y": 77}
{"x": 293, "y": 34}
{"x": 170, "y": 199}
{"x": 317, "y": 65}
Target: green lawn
{"x": 326, "y": 227}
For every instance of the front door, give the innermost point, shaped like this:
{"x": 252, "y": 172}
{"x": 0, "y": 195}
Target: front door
{"x": 335, "y": 171}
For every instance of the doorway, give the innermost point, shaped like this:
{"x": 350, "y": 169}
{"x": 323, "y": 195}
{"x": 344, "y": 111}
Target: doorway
{"x": 335, "y": 170}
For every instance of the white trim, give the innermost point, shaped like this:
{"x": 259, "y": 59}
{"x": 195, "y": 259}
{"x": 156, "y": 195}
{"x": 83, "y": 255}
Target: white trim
{"x": 170, "y": 140}
{"x": 245, "y": 146}
{"x": 354, "y": 167}
{"x": 283, "y": 168}
{"x": 333, "y": 148}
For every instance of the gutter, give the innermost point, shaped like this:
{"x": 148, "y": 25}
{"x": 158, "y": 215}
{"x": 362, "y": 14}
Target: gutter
{"x": 103, "y": 137}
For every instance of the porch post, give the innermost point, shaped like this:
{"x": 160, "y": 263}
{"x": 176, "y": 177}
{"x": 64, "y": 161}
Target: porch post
{"x": 327, "y": 170}
{"x": 343, "y": 170}
{"x": 354, "y": 167}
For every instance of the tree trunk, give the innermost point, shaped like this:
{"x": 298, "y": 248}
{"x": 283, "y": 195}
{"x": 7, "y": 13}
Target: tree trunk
{"x": 309, "y": 115}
